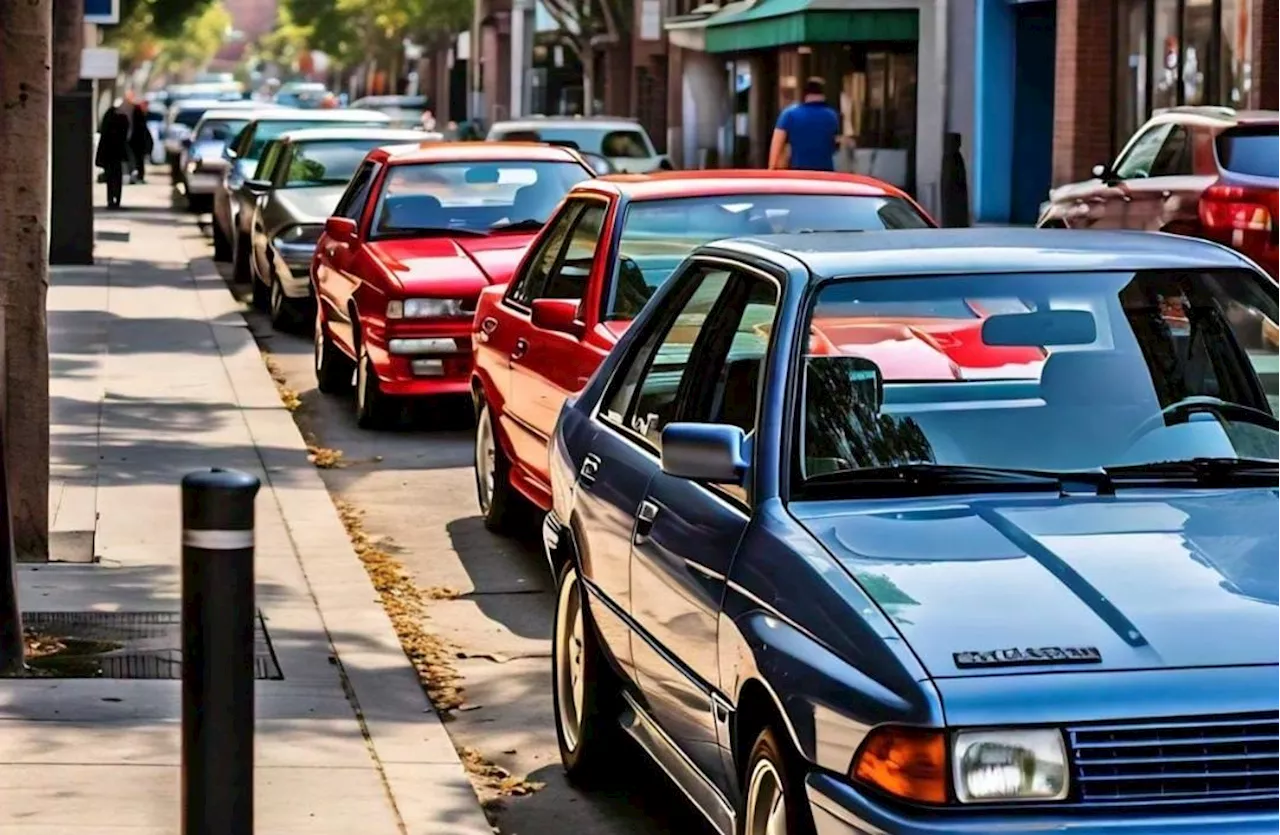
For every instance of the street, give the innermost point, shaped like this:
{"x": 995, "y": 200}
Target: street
{"x": 416, "y": 490}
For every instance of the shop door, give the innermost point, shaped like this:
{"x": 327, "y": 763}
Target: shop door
{"x": 1035, "y": 33}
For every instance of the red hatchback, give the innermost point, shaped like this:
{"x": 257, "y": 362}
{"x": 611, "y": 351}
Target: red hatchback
{"x": 613, "y": 242}
{"x": 420, "y": 231}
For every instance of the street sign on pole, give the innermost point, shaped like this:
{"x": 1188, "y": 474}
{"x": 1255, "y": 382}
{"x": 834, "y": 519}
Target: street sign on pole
{"x": 102, "y": 11}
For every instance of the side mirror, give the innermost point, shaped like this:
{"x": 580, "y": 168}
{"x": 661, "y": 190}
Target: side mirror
{"x": 559, "y": 315}
{"x": 257, "y": 187}
{"x": 711, "y": 452}
{"x": 341, "y": 229}
{"x": 1103, "y": 172}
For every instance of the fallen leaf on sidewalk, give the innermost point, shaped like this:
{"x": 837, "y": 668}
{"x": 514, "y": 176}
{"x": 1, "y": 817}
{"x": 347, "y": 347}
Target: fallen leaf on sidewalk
{"x": 442, "y": 593}
{"x": 493, "y": 782}
{"x": 325, "y": 458}
{"x": 288, "y": 396}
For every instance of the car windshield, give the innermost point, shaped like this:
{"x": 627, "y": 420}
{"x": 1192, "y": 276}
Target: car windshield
{"x": 327, "y": 163}
{"x": 220, "y": 130}
{"x": 1252, "y": 150}
{"x": 1039, "y": 371}
{"x": 658, "y": 234}
{"x": 608, "y": 142}
{"x": 472, "y": 196}
{"x": 269, "y": 129}
{"x": 189, "y": 117}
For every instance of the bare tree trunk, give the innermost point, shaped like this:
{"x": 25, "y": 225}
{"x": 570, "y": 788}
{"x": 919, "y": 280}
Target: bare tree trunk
{"x": 68, "y": 43}
{"x": 25, "y": 113}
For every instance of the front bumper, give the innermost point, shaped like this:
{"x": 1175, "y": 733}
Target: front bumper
{"x": 841, "y": 809}
{"x": 405, "y": 371}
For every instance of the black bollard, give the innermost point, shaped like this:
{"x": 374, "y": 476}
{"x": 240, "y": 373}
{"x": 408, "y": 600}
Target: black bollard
{"x": 218, "y": 614}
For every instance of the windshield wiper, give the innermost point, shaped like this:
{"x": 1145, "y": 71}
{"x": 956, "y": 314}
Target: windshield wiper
{"x": 527, "y": 225}
{"x": 1209, "y": 472}
{"x": 427, "y": 231}
{"x": 926, "y": 478}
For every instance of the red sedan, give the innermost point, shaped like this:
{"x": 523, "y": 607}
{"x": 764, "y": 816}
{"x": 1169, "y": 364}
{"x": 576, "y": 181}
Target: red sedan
{"x": 611, "y": 244}
{"x": 420, "y": 231}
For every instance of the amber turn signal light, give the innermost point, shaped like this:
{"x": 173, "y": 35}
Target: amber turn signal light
{"x": 910, "y": 763}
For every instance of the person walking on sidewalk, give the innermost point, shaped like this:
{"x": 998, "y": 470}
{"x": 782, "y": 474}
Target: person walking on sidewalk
{"x": 140, "y": 142}
{"x": 113, "y": 152}
{"x": 807, "y": 130}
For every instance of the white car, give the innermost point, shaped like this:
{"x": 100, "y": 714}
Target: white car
{"x": 623, "y": 142}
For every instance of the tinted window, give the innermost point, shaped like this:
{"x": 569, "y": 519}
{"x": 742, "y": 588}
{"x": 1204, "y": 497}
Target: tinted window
{"x": 189, "y": 117}
{"x": 658, "y": 234}
{"x": 628, "y": 142}
{"x": 472, "y": 196}
{"x": 1137, "y": 161}
{"x": 352, "y": 202}
{"x": 269, "y": 129}
{"x": 568, "y": 278}
{"x": 327, "y": 163}
{"x": 267, "y": 165}
{"x": 1132, "y": 351}
{"x": 1174, "y": 158}
{"x": 528, "y": 286}
{"x": 220, "y": 130}
{"x": 1252, "y": 151}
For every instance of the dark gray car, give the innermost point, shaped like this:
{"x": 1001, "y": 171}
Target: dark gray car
{"x": 302, "y": 176}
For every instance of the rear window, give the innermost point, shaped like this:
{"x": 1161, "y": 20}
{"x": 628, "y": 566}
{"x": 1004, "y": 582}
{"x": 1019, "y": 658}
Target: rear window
{"x": 269, "y": 129}
{"x": 628, "y": 142}
{"x": 1252, "y": 151}
{"x": 189, "y": 117}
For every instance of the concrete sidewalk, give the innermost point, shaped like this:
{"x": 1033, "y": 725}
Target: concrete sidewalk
{"x": 155, "y": 374}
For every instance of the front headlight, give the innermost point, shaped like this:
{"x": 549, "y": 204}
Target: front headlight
{"x": 424, "y": 308}
{"x": 308, "y": 234}
{"x": 1003, "y": 765}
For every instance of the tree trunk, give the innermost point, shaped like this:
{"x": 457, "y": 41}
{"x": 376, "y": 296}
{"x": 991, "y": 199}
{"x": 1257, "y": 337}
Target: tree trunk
{"x": 588, "y": 58}
{"x": 25, "y": 112}
{"x": 68, "y": 43}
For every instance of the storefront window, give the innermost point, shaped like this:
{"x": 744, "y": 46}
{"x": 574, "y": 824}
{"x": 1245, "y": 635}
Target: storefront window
{"x": 1234, "y": 52}
{"x": 1168, "y": 54}
{"x": 1197, "y": 35}
{"x": 1131, "y": 69}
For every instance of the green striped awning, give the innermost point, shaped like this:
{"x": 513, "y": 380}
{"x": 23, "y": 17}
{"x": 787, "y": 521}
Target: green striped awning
{"x": 773, "y": 23}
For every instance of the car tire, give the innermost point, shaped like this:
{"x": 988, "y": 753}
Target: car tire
{"x": 774, "y": 800}
{"x": 584, "y": 689}
{"x": 241, "y": 259}
{"x": 261, "y": 292}
{"x": 221, "y": 246}
{"x": 499, "y": 502}
{"x": 282, "y": 310}
{"x": 333, "y": 368}
{"x": 373, "y": 408}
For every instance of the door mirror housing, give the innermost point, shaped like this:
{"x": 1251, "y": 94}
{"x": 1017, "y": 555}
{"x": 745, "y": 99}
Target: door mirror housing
{"x": 710, "y": 452}
{"x": 1102, "y": 171}
{"x": 558, "y": 315}
{"x": 341, "y": 229}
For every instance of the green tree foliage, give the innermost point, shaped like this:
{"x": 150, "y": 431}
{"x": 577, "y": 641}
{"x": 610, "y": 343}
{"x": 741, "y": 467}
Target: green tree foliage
{"x": 351, "y": 30}
{"x": 171, "y": 32}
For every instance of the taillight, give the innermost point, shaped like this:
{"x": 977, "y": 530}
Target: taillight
{"x": 1225, "y": 208}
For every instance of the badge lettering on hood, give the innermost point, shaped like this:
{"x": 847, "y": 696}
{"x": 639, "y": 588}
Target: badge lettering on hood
{"x": 1030, "y": 656}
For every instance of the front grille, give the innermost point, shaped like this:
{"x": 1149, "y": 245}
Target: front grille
{"x": 1227, "y": 761}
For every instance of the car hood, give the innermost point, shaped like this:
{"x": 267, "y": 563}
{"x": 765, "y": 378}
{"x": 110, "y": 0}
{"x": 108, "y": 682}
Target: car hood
{"x": 312, "y": 204}
{"x": 421, "y": 263}
{"x": 1186, "y": 579}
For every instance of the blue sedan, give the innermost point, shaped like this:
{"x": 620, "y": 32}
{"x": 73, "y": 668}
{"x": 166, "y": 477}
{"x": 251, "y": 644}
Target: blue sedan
{"x": 940, "y": 531}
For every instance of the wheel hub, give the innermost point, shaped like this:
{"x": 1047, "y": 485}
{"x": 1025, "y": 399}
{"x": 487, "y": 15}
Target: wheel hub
{"x": 486, "y": 461}
{"x": 766, "y": 801}
{"x": 570, "y": 650}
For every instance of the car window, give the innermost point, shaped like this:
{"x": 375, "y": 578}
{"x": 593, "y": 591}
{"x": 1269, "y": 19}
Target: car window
{"x": 219, "y": 130}
{"x": 243, "y": 139}
{"x": 352, "y": 203}
{"x": 568, "y": 278}
{"x": 327, "y": 163}
{"x": 609, "y": 142}
{"x": 267, "y": 163}
{"x": 625, "y": 143}
{"x": 644, "y": 399}
{"x": 1174, "y": 158}
{"x": 1250, "y": 150}
{"x": 1136, "y": 162}
{"x": 658, "y": 234}
{"x": 529, "y": 285}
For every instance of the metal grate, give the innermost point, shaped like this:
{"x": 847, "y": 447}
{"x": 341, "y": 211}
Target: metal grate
{"x": 133, "y": 645}
{"x": 1228, "y": 761}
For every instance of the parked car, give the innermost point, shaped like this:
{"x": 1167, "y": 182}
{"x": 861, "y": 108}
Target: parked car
{"x": 233, "y": 201}
{"x": 306, "y": 95}
{"x": 1209, "y": 172}
{"x": 404, "y": 111}
{"x": 828, "y": 599}
{"x": 203, "y": 162}
{"x": 604, "y": 253}
{"x": 302, "y": 175}
{"x": 624, "y": 142}
{"x": 419, "y": 232}
{"x": 182, "y": 117}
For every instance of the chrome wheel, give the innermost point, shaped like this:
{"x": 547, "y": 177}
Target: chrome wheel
{"x": 766, "y": 801}
{"x": 486, "y": 460}
{"x": 362, "y": 379}
{"x": 569, "y": 648}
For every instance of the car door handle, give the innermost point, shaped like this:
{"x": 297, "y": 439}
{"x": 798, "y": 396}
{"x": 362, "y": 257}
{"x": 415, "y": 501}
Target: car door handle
{"x": 644, "y": 518}
{"x": 590, "y": 469}
{"x": 522, "y": 348}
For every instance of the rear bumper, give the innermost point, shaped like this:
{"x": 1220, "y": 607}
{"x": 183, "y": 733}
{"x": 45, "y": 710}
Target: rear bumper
{"x": 841, "y": 809}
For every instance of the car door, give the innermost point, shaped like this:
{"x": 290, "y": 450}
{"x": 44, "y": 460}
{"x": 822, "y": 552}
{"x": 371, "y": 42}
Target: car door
{"x": 270, "y": 173}
{"x": 244, "y": 199}
{"x": 334, "y": 278}
{"x": 1130, "y": 173}
{"x": 514, "y": 328}
{"x": 1151, "y": 196}
{"x": 553, "y": 364}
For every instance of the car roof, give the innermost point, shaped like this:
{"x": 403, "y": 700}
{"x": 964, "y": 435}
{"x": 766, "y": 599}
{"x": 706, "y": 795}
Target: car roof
{"x": 475, "y": 151}
{"x": 290, "y": 114}
{"x": 391, "y": 135}
{"x": 210, "y": 104}
{"x": 215, "y": 113}
{"x": 1215, "y": 114}
{"x": 665, "y": 185}
{"x": 367, "y": 100}
{"x": 619, "y": 122}
{"x": 905, "y": 252}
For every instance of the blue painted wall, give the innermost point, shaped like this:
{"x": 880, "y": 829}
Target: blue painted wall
{"x": 1014, "y": 55}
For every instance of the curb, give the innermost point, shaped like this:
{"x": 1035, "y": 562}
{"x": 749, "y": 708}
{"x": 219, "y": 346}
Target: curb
{"x": 425, "y": 779}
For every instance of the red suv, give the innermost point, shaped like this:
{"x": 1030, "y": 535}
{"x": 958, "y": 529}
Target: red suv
{"x": 1208, "y": 172}
{"x": 612, "y": 242}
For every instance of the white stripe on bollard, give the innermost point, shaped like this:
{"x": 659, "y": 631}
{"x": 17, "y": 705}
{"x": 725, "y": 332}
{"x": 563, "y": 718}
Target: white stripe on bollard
{"x": 218, "y": 540}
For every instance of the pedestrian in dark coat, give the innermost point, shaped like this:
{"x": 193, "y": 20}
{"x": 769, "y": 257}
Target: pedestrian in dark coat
{"x": 141, "y": 141}
{"x": 113, "y": 152}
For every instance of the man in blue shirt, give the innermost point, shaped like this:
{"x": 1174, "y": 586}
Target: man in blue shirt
{"x": 810, "y": 129}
